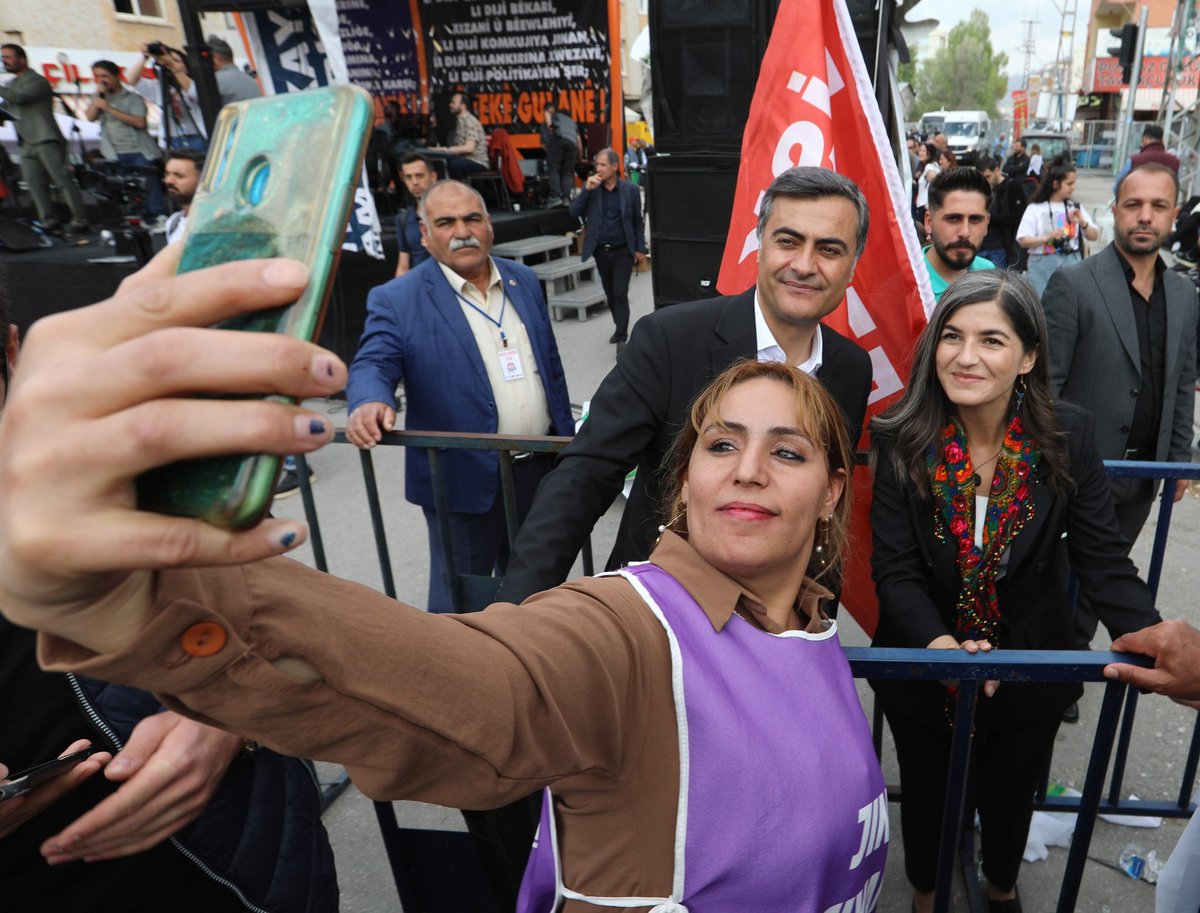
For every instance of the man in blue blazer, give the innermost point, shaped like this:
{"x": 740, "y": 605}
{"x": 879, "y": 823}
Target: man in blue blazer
{"x": 470, "y": 338}
{"x": 612, "y": 212}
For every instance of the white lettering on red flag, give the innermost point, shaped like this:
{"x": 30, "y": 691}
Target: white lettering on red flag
{"x": 814, "y": 105}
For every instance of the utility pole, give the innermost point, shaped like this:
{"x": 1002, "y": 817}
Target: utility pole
{"x": 1063, "y": 66}
{"x": 1182, "y": 128}
{"x": 1029, "y": 48}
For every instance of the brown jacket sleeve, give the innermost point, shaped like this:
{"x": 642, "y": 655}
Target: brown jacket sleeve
{"x": 467, "y": 711}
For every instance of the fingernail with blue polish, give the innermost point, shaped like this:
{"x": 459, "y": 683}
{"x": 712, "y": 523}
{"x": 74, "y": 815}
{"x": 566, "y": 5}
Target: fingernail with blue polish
{"x": 323, "y": 366}
{"x": 290, "y": 536}
{"x": 308, "y": 426}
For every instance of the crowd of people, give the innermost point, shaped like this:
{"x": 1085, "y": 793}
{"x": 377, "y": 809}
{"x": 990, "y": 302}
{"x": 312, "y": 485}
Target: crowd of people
{"x": 657, "y": 727}
{"x": 119, "y": 105}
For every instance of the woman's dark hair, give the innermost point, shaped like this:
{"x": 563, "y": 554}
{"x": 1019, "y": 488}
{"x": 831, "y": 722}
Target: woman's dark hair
{"x": 932, "y": 151}
{"x": 904, "y": 433}
{"x": 1054, "y": 173}
{"x": 817, "y": 414}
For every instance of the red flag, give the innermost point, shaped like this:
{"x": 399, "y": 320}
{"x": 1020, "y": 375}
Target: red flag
{"x": 814, "y": 105}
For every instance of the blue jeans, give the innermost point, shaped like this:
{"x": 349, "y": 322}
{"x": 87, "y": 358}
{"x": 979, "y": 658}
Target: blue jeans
{"x": 156, "y": 204}
{"x": 479, "y": 542}
{"x": 1042, "y": 267}
{"x": 997, "y": 255}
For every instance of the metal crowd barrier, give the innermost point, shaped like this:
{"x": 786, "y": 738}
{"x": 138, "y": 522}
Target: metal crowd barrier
{"x": 1115, "y": 725}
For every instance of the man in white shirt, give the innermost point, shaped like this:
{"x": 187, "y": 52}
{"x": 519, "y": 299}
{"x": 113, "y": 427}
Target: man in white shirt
{"x": 181, "y": 177}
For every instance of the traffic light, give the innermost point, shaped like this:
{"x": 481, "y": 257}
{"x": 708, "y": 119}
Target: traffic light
{"x": 1127, "y": 50}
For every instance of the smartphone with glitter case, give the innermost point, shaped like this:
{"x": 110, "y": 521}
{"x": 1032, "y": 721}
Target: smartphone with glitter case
{"x": 279, "y": 181}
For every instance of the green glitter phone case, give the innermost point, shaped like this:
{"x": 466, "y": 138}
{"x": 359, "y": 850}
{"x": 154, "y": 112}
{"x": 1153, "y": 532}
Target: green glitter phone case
{"x": 278, "y": 182}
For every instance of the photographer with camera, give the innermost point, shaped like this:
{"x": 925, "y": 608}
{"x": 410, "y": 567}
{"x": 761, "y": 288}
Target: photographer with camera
{"x": 123, "y": 136}
{"x": 30, "y": 100}
{"x": 175, "y": 93}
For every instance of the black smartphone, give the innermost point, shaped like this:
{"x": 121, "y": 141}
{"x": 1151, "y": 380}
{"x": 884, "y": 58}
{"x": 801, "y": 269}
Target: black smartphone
{"x": 25, "y": 780}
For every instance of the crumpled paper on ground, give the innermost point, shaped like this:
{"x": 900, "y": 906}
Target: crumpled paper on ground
{"x": 1049, "y": 829}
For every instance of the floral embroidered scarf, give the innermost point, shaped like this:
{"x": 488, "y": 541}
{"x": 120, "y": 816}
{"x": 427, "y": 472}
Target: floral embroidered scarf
{"x": 1010, "y": 507}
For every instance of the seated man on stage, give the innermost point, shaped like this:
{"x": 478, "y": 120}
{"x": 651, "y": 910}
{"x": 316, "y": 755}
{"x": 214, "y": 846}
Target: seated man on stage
{"x": 468, "y": 149}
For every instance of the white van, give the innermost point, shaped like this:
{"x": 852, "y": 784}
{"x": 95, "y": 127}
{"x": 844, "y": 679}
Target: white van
{"x": 968, "y": 134}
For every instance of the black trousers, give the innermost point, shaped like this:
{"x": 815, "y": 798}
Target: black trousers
{"x": 1005, "y": 768}
{"x": 615, "y": 268}
{"x": 561, "y": 156}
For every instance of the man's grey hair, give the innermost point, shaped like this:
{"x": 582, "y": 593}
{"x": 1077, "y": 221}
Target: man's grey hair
{"x": 440, "y": 187}
{"x": 613, "y": 158}
{"x": 807, "y": 182}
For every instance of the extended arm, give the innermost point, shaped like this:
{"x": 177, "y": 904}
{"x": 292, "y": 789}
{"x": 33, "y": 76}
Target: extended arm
{"x": 626, "y": 413}
{"x": 469, "y": 712}
{"x": 377, "y": 368}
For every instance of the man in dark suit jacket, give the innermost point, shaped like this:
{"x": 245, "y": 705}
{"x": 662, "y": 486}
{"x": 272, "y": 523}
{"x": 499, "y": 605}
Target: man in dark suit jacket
{"x": 1122, "y": 332}
{"x": 451, "y": 330}
{"x": 812, "y": 230}
{"x": 612, "y": 213}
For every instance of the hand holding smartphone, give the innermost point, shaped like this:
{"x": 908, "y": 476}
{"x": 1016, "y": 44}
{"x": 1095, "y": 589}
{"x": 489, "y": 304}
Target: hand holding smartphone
{"x": 278, "y": 182}
{"x": 23, "y": 781}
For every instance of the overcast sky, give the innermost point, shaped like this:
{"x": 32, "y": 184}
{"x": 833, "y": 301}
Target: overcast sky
{"x": 1009, "y": 29}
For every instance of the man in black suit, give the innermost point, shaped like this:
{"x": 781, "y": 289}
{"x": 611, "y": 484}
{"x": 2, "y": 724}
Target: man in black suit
{"x": 612, "y": 212}
{"x": 812, "y": 229}
{"x": 1122, "y": 330}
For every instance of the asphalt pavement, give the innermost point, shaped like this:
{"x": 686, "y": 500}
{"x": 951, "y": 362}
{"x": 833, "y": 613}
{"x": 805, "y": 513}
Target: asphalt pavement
{"x": 1161, "y": 735}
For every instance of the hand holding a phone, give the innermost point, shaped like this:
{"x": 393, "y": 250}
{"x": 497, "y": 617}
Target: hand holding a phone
{"x": 103, "y": 394}
{"x": 368, "y": 423}
{"x": 16, "y": 811}
{"x": 169, "y": 769}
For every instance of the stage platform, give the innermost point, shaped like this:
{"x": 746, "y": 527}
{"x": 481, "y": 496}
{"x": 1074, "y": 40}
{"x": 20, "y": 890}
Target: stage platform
{"x": 63, "y": 277}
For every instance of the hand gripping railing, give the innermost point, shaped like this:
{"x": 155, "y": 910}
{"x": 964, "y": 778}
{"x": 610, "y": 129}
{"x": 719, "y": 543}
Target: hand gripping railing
{"x": 970, "y": 670}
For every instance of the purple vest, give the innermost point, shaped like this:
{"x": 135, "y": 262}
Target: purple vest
{"x": 782, "y": 804}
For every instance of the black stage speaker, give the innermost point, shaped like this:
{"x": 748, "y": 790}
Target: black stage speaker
{"x": 705, "y": 62}
{"x": 706, "y": 59}
{"x": 689, "y": 200}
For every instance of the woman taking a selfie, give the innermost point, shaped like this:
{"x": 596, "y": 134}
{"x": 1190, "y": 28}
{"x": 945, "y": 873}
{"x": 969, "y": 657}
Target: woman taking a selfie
{"x": 685, "y": 713}
{"x": 985, "y": 492}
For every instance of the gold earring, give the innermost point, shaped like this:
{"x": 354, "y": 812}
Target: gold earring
{"x": 821, "y": 552}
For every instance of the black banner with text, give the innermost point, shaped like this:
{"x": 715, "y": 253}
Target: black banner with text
{"x": 513, "y": 56}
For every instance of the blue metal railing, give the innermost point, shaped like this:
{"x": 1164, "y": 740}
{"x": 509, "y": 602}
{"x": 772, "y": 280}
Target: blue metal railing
{"x": 969, "y": 670}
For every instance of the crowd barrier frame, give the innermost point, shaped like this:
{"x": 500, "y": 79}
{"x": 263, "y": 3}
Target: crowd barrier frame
{"x": 446, "y": 856}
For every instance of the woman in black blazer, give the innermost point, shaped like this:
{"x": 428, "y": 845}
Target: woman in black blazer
{"x": 986, "y": 495}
